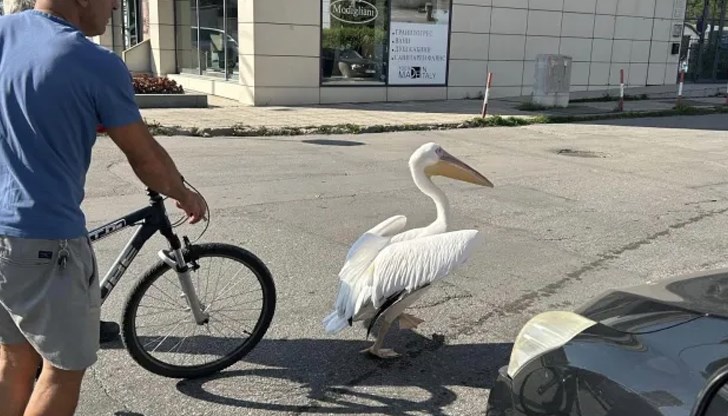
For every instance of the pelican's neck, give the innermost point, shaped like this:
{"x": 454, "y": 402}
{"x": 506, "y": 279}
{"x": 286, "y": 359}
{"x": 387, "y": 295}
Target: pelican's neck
{"x": 425, "y": 184}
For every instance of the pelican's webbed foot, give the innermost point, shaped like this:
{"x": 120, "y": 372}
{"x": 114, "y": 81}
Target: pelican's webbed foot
{"x": 376, "y": 348}
{"x": 381, "y": 352}
{"x": 407, "y": 321}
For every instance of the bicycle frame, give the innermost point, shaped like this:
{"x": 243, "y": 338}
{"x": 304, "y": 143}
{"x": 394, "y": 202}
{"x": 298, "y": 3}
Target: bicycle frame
{"x": 153, "y": 219}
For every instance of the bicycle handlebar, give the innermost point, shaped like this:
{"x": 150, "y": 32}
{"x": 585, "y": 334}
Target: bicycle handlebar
{"x": 152, "y": 193}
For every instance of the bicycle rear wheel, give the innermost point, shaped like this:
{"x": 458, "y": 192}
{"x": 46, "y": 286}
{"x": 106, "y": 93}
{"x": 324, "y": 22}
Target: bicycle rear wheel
{"x": 199, "y": 350}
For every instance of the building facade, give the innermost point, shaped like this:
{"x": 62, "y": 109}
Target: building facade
{"x": 278, "y": 52}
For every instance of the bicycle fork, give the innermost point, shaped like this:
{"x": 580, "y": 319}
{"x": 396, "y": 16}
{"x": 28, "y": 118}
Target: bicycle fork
{"x": 179, "y": 264}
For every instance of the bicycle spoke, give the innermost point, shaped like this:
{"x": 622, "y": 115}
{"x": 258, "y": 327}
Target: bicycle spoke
{"x": 233, "y": 281}
{"x": 173, "y": 300}
{"x": 167, "y": 331}
{"x": 235, "y": 320}
{"x": 167, "y": 336}
{"x": 153, "y": 325}
{"x": 232, "y": 296}
{"x": 157, "y": 313}
{"x": 228, "y": 327}
{"x": 215, "y": 289}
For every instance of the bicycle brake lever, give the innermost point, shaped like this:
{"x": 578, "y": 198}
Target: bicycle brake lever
{"x": 188, "y": 246}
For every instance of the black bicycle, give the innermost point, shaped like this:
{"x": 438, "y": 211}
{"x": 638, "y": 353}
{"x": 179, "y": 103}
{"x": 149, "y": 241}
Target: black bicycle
{"x": 206, "y": 343}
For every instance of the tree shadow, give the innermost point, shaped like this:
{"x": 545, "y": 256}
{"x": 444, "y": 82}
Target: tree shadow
{"x": 337, "y": 379}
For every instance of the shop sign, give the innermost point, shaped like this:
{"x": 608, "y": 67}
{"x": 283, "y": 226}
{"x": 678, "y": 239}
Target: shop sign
{"x": 418, "y": 54}
{"x": 356, "y": 12}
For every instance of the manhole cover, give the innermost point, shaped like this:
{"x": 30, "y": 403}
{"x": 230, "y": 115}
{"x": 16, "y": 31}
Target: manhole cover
{"x": 580, "y": 153}
{"x": 326, "y": 142}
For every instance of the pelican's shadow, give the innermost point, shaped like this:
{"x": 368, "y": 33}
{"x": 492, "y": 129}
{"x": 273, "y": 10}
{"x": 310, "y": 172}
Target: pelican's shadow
{"x": 342, "y": 381}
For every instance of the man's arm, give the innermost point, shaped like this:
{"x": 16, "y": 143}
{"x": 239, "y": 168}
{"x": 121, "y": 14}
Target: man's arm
{"x": 151, "y": 163}
{"x": 155, "y": 168}
{"x": 119, "y": 115}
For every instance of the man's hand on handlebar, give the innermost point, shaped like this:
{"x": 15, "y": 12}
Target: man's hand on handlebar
{"x": 194, "y": 206}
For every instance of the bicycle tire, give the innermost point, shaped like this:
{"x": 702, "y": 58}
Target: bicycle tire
{"x": 196, "y": 252}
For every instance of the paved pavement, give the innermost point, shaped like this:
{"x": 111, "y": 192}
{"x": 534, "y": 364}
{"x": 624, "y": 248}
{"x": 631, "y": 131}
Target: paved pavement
{"x": 576, "y": 209}
{"x": 224, "y": 113}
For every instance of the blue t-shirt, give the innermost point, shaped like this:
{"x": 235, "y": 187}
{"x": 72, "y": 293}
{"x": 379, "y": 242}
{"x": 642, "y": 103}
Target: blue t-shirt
{"x": 56, "y": 86}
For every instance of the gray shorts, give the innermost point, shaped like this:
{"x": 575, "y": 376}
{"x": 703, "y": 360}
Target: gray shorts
{"x": 55, "y": 307}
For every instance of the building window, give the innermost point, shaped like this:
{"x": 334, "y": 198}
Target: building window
{"x": 353, "y": 41}
{"x": 385, "y": 42}
{"x": 131, "y": 24}
{"x": 207, "y": 37}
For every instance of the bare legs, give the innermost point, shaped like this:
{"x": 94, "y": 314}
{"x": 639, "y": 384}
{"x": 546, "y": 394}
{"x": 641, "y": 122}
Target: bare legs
{"x": 56, "y": 392}
{"x": 406, "y": 321}
{"x": 18, "y": 365}
{"x": 376, "y": 349}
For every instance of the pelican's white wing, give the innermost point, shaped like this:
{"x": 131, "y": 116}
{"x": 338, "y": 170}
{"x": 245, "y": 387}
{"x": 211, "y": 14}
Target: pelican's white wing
{"x": 368, "y": 241}
{"x": 355, "y": 275}
{"x": 409, "y": 265}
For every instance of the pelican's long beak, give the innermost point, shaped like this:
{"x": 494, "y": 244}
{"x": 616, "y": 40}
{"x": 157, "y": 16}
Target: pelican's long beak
{"x": 455, "y": 168}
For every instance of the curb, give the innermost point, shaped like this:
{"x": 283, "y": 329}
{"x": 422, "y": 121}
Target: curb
{"x": 476, "y": 122}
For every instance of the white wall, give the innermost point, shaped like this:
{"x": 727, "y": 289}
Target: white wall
{"x": 280, "y": 47}
{"x": 602, "y": 37}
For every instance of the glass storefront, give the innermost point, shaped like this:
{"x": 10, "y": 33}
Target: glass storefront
{"x": 353, "y": 41}
{"x": 385, "y": 42}
{"x": 207, "y": 37}
{"x": 131, "y": 24}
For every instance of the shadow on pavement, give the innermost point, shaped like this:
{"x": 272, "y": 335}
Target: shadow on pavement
{"x": 330, "y": 142}
{"x": 343, "y": 381}
{"x": 714, "y": 122}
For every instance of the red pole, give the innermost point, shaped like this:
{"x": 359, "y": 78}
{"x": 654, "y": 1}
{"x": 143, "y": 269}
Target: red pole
{"x": 488, "y": 84}
{"x": 621, "y": 90}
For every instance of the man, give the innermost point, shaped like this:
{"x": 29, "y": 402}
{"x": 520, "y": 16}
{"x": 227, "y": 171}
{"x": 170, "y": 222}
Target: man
{"x": 56, "y": 86}
{"x": 15, "y": 6}
{"x": 108, "y": 331}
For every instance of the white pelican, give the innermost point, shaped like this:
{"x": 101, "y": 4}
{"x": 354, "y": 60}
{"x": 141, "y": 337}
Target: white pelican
{"x": 386, "y": 270}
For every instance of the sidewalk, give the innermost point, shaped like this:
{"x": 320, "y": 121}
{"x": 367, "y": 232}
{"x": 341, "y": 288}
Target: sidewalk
{"x": 226, "y": 117}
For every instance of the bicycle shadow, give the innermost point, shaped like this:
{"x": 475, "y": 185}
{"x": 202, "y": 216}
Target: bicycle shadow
{"x": 342, "y": 381}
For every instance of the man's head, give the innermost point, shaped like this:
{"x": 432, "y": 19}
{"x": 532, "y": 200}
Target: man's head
{"x": 17, "y": 6}
{"x": 90, "y": 16}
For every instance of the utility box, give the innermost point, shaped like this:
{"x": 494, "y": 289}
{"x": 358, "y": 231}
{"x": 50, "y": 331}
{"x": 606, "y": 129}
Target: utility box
{"x": 552, "y": 81}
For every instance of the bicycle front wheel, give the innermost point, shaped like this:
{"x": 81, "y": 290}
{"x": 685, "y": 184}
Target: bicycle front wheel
{"x": 160, "y": 332}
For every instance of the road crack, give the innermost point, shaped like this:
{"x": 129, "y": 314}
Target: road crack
{"x": 95, "y": 375}
{"x": 527, "y": 300}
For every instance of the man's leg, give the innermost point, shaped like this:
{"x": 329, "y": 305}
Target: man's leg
{"x": 55, "y": 304}
{"x": 18, "y": 363}
{"x": 56, "y": 392}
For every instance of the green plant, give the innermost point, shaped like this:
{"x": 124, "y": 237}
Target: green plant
{"x": 607, "y": 97}
{"x": 152, "y": 84}
{"x": 359, "y": 38}
{"x": 240, "y": 130}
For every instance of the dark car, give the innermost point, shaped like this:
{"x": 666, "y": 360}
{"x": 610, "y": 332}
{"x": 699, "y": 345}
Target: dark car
{"x": 655, "y": 349}
{"x": 353, "y": 65}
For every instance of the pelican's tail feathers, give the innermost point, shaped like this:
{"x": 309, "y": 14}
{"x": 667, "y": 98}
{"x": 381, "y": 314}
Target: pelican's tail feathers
{"x": 335, "y": 323}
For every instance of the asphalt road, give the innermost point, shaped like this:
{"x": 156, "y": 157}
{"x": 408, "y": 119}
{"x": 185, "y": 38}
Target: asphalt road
{"x": 576, "y": 210}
